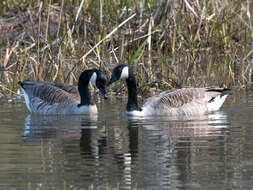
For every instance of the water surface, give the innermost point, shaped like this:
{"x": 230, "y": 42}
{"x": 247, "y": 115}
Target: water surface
{"x": 115, "y": 152}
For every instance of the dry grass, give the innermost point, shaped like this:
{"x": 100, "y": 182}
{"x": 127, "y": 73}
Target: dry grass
{"x": 169, "y": 43}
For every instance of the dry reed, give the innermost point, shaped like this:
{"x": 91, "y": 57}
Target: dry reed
{"x": 169, "y": 43}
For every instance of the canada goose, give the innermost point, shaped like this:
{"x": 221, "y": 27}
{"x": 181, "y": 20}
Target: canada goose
{"x": 57, "y": 98}
{"x": 179, "y": 102}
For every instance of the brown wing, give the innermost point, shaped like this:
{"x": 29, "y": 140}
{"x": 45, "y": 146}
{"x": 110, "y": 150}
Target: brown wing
{"x": 185, "y": 101}
{"x": 178, "y": 98}
{"x": 51, "y": 92}
{"x": 66, "y": 87}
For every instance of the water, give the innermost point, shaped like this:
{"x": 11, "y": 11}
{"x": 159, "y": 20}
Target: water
{"x": 115, "y": 152}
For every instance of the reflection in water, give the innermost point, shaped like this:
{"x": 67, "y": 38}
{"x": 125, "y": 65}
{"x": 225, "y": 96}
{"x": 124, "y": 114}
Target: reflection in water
{"x": 169, "y": 149}
{"x": 42, "y": 126}
{"x": 66, "y": 128}
{"x": 73, "y": 152}
{"x": 189, "y": 127}
{"x": 157, "y": 152}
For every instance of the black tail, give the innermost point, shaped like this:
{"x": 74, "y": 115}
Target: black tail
{"x": 226, "y": 91}
{"x": 20, "y": 83}
{"x": 223, "y": 91}
{"x": 25, "y": 83}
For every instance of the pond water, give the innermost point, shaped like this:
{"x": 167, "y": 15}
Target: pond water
{"x": 115, "y": 152}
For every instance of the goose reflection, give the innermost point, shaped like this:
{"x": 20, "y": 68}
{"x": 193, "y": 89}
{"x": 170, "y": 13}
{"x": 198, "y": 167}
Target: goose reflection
{"x": 84, "y": 130}
{"x": 57, "y": 126}
{"x": 170, "y": 150}
{"x": 205, "y": 125}
{"x": 152, "y": 152}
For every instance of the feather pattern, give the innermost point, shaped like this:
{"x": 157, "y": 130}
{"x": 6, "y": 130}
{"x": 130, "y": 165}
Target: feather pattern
{"x": 52, "y": 98}
{"x": 51, "y": 93}
{"x": 185, "y": 101}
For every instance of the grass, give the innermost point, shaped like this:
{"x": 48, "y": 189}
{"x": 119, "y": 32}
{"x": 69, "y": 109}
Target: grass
{"x": 170, "y": 44}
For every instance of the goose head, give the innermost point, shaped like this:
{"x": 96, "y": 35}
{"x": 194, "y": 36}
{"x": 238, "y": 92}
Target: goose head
{"x": 125, "y": 72}
{"x": 96, "y": 77}
{"x": 121, "y": 71}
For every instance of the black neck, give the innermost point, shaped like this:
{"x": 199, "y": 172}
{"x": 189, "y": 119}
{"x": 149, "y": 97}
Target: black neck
{"x": 86, "y": 98}
{"x": 132, "y": 103}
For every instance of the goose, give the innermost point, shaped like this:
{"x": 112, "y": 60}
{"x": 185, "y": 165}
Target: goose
{"x": 177, "y": 102}
{"x": 42, "y": 97}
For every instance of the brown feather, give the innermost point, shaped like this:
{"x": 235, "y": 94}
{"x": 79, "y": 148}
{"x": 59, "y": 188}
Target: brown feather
{"x": 51, "y": 92}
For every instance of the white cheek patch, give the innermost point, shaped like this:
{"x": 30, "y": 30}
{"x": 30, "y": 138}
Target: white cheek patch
{"x": 93, "y": 79}
{"x": 124, "y": 73}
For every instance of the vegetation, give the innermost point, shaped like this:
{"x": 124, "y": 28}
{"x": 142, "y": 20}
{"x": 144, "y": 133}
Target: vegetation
{"x": 170, "y": 44}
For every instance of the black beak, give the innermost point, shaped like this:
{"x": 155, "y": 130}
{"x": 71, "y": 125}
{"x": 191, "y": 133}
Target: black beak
{"x": 103, "y": 92}
{"x": 112, "y": 80}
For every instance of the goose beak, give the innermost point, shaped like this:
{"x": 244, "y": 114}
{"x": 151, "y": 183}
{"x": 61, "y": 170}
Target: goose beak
{"x": 103, "y": 92}
{"x": 112, "y": 80}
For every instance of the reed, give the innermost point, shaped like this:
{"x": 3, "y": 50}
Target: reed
{"x": 170, "y": 44}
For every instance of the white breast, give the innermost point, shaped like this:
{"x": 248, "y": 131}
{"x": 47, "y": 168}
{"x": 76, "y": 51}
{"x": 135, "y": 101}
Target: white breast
{"x": 91, "y": 109}
{"x": 135, "y": 113}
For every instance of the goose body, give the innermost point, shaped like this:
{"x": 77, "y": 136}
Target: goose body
{"x": 43, "y": 97}
{"x": 178, "y": 102}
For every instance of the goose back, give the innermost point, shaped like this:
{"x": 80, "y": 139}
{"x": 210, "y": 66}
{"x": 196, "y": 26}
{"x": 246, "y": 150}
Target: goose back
{"x": 51, "y": 92}
{"x": 185, "y": 101}
{"x": 52, "y": 98}
{"x": 66, "y": 87}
